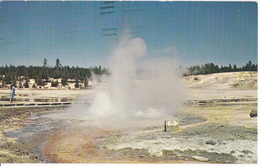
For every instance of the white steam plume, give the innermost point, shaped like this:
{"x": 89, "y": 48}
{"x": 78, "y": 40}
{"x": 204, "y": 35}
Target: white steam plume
{"x": 155, "y": 92}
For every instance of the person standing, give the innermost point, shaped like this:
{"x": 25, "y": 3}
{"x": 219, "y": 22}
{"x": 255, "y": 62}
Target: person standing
{"x": 12, "y": 94}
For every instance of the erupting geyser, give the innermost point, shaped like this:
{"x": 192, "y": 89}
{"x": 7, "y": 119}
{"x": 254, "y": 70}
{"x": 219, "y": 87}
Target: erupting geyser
{"x": 135, "y": 94}
{"x": 154, "y": 90}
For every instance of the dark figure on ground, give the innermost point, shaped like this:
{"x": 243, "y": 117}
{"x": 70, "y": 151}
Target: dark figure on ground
{"x": 253, "y": 113}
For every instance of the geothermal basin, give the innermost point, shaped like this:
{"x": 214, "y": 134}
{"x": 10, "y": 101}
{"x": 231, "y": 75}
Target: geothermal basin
{"x": 219, "y": 133}
{"x": 121, "y": 120}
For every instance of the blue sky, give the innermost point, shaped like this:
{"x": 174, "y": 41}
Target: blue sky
{"x": 75, "y": 32}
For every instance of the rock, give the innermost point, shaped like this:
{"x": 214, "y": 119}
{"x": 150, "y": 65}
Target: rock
{"x": 199, "y": 158}
{"x": 253, "y": 113}
{"x": 211, "y": 142}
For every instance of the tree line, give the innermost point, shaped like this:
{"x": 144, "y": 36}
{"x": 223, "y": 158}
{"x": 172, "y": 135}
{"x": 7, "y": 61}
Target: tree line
{"x": 209, "y": 68}
{"x": 43, "y": 73}
{"x": 11, "y": 74}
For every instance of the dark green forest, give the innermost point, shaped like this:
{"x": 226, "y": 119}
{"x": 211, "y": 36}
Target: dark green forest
{"x": 42, "y": 73}
{"x": 210, "y": 68}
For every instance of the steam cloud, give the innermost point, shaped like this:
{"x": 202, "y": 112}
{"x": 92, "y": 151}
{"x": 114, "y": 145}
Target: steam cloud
{"x": 132, "y": 97}
{"x": 154, "y": 91}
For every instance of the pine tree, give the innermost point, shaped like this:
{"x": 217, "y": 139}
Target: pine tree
{"x": 58, "y": 64}
{"x": 77, "y": 83}
{"x": 54, "y": 83}
{"x": 64, "y": 81}
{"x": 234, "y": 67}
{"x": 26, "y": 85}
{"x": 230, "y": 68}
{"x": 44, "y": 63}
